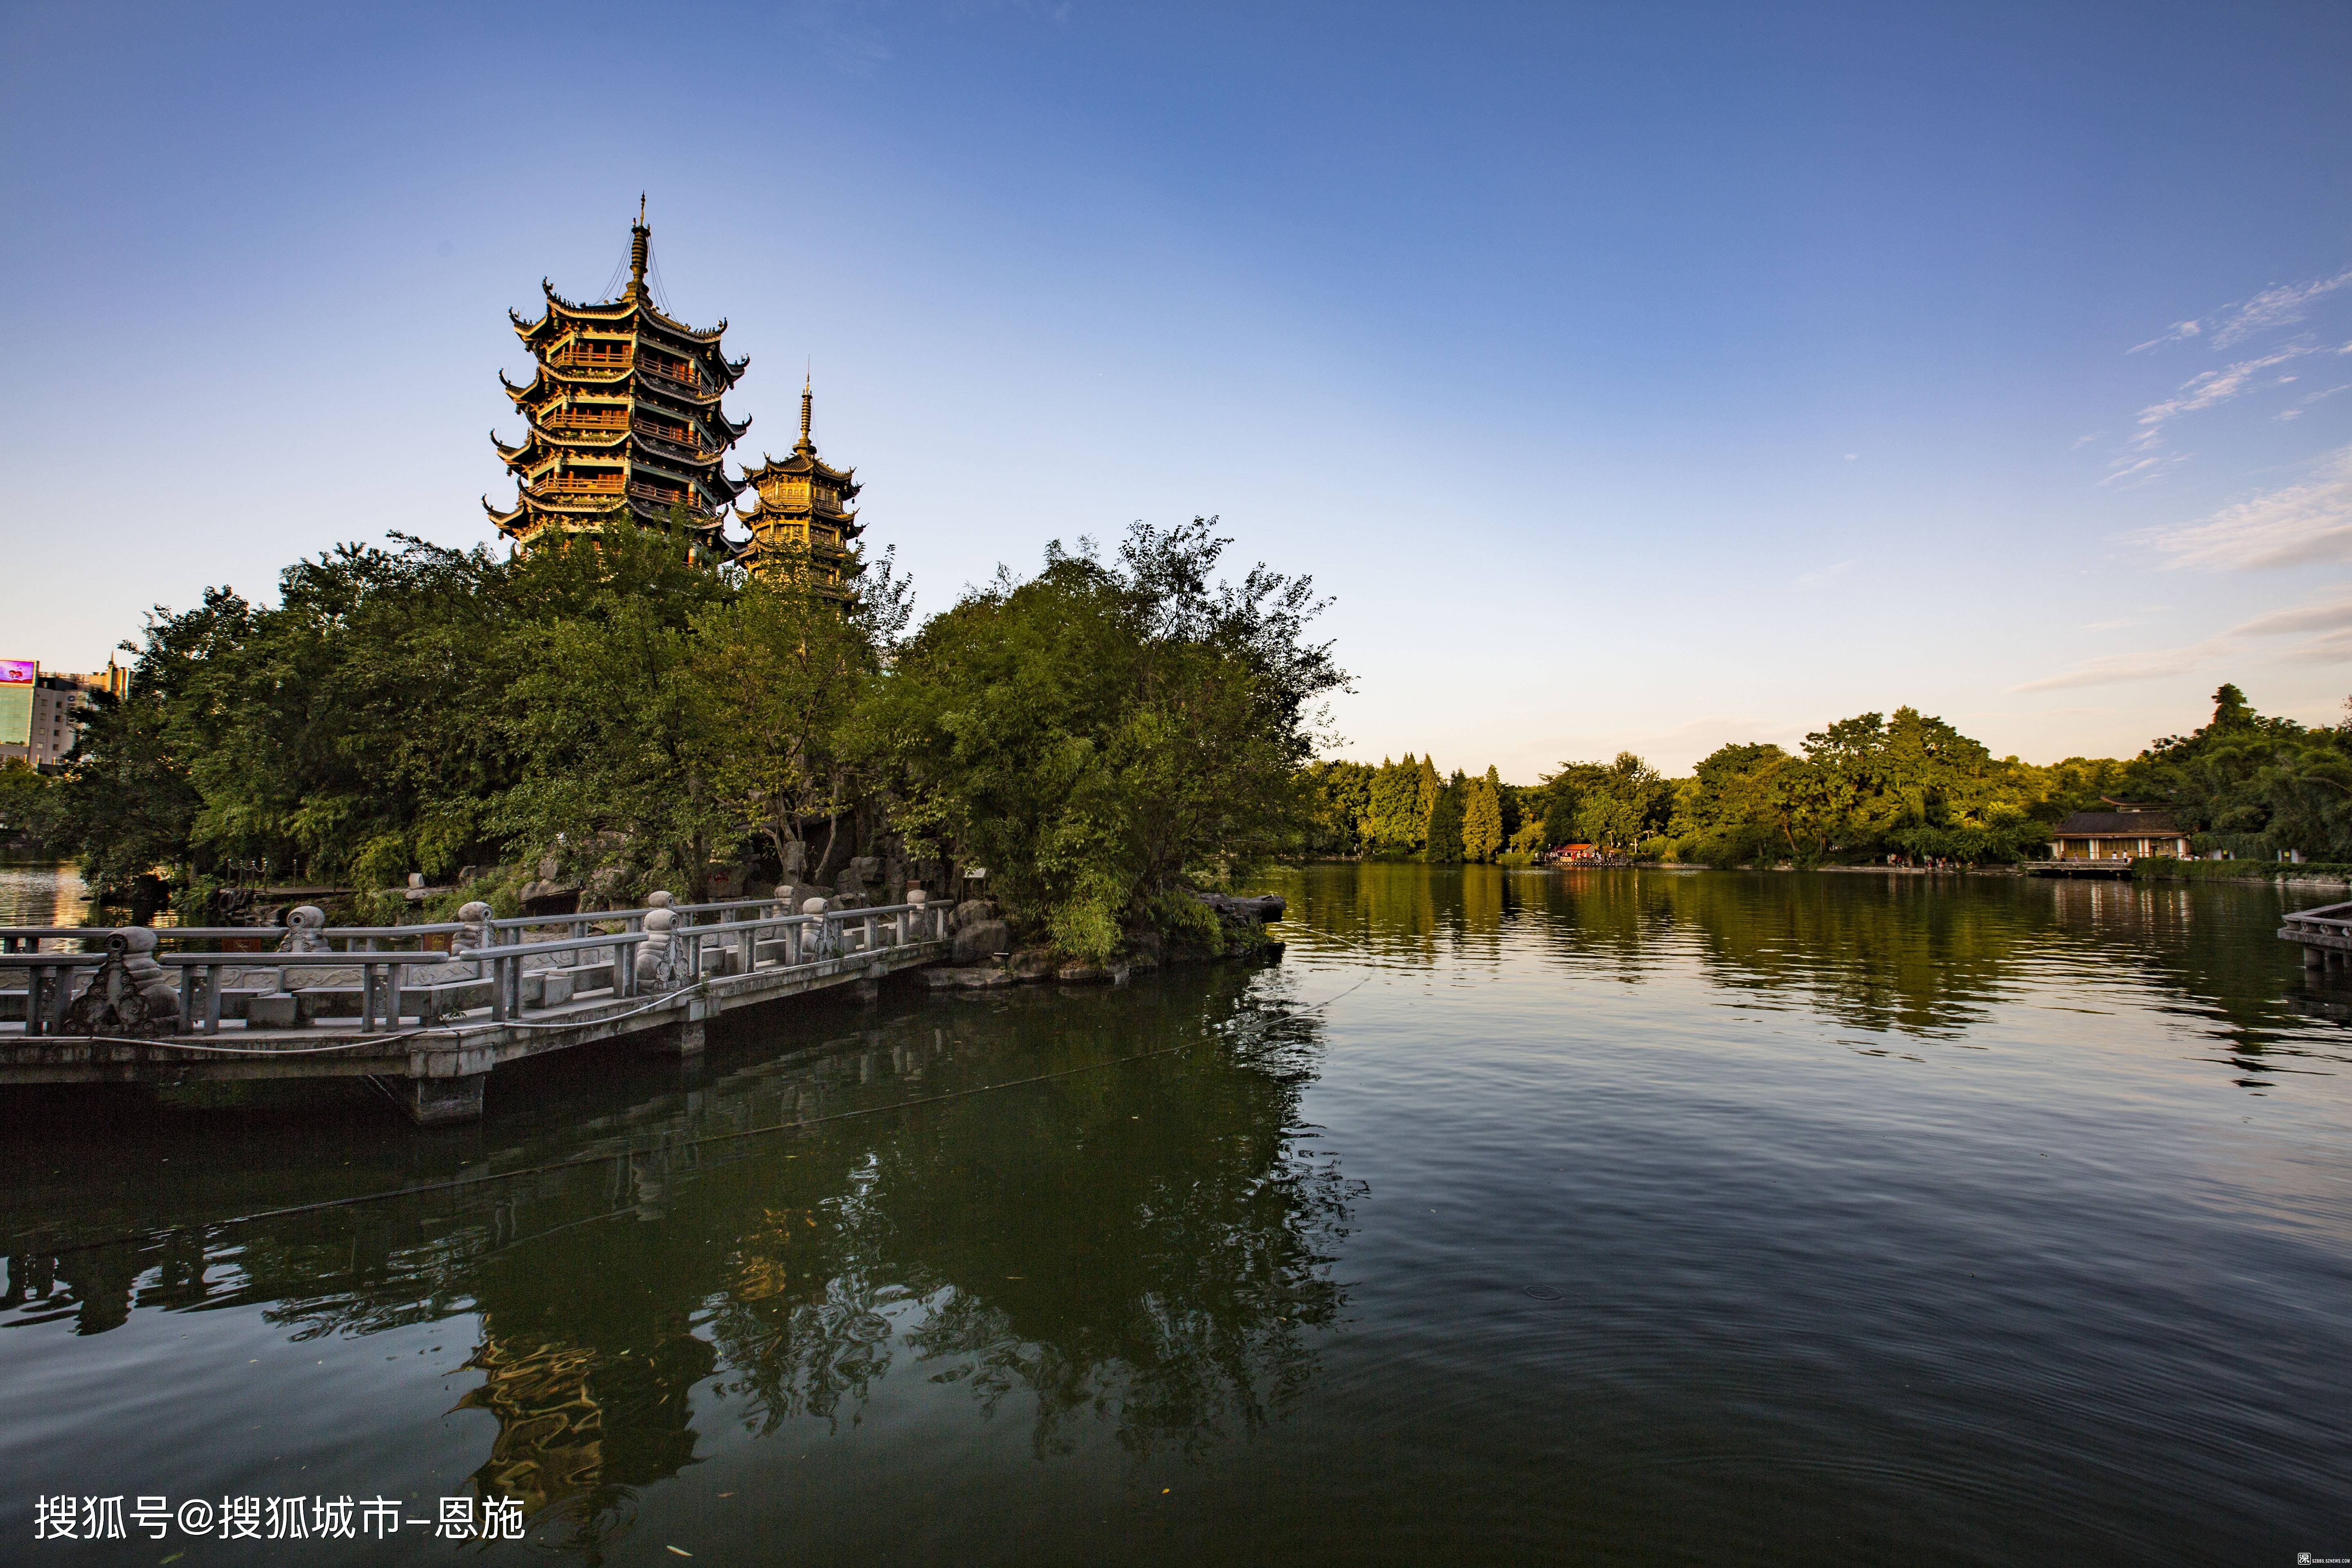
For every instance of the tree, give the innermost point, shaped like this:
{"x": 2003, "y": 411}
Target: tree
{"x": 774, "y": 675}
{"x": 1624, "y": 802}
{"x": 1443, "y": 845}
{"x": 1482, "y": 818}
{"x": 1393, "y": 823}
{"x": 1105, "y": 734}
{"x": 1725, "y": 813}
{"x": 623, "y": 746}
{"x": 1342, "y": 794}
{"x": 1429, "y": 786}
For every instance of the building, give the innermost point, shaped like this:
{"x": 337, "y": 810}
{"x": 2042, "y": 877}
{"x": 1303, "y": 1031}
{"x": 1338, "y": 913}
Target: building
{"x": 46, "y": 710}
{"x": 2126, "y": 833}
{"x": 622, "y": 414}
{"x": 801, "y": 510}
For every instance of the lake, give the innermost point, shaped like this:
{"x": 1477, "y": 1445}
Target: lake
{"x": 1513, "y": 1216}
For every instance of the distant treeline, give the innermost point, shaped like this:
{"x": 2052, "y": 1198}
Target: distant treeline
{"x": 1905, "y": 783}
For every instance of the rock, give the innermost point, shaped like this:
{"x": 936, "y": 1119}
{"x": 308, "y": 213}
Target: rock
{"x": 847, "y": 902}
{"x": 1265, "y": 907}
{"x": 862, "y": 873}
{"x": 1082, "y": 975}
{"x": 970, "y": 912}
{"x": 985, "y": 978}
{"x": 982, "y": 940}
{"x": 546, "y": 897}
{"x": 1031, "y": 964}
{"x": 607, "y": 889}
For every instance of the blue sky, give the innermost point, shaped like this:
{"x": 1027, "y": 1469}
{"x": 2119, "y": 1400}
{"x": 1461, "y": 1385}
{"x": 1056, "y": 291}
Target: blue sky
{"x": 1631, "y": 376}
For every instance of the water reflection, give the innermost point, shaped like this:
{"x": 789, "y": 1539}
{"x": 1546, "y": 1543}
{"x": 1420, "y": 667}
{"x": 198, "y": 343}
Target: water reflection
{"x": 41, "y": 895}
{"x": 1137, "y": 1240}
{"x": 1924, "y": 957}
{"x": 1645, "y": 1219}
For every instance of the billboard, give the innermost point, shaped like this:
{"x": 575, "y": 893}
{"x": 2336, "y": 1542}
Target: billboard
{"x": 17, "y": 678}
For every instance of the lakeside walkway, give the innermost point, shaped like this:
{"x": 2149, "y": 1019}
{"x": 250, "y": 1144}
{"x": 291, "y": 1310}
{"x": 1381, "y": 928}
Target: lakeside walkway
{"x": 428, "y": 1025}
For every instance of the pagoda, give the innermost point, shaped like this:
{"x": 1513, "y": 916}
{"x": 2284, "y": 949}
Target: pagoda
{"x": 622, "y": 412}
{"x": 802, "y": 512}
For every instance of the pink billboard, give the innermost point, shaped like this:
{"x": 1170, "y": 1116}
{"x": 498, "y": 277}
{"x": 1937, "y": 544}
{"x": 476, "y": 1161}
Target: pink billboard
{"x": 17, "y": 678}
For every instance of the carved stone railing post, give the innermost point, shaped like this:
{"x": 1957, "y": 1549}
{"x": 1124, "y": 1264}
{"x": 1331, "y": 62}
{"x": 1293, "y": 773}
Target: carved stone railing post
{"x": 476, "y": 934}
{"x": 130, "y": 993}
{"x": 657, "y": 964}
{"x": 813, "y": 943}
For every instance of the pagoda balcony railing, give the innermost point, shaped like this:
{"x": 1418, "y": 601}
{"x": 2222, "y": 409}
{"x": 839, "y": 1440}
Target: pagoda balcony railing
{"x": 679, "y": 449}
{"x": 693, "y": 385}
{"x": 664, "y": 498}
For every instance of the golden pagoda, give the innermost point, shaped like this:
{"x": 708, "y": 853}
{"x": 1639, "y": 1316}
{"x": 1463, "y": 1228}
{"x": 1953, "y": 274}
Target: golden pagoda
{"x": 622, "y": 412}
{"x": 801, "y": 510}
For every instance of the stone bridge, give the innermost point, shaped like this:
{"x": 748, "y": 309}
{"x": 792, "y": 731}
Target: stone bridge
{"x": 425, "y": 1011}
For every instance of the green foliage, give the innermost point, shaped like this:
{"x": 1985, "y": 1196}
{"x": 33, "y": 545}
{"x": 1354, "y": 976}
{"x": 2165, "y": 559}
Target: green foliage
{"x": 1482, "y": 818}
{"x": 302, "y": 734}
{"x": 1341, "y": 792}
{"x": 1091, "y": 733}
{"x": 1443, "y": 843}
{"x": 1617, "y": 804}
{"x": 1866, "y": 786}
{"x": 420, "y": 708}
{"x": 2267, "y": 780}
{"x": 1393, "y": 822}
{"x": 1427, "y": 790}
{"x": 28, "y": 802}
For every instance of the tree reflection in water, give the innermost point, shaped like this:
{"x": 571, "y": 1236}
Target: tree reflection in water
{"x": 1924, "y": 956}
{"x": 1143, "y": 1242}
{"x": 1146, "y": 1247}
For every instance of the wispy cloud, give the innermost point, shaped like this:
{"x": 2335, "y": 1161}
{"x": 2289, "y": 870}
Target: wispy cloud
{"x": 2276, "y": 307}
{"x": 2155, "y": 664}
{"x": 2299, "y": 618}
{"x": 1828, "y": 576}
{"x": 2280, "y": 305}
{"x": 2199, "y": 392}
{"x": 2293, "y": 526}
{"x": 2336, "y": 648}
{"x": 2181, "y": 332}
{"x": 2144, "y": 456}
{"x": 2082, "y": 441}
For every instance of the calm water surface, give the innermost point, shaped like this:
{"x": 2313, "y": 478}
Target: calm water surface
{"x": 1514, "y": 1217}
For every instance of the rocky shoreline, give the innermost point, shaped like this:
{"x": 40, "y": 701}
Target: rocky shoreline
{"x": 984, "y": 958}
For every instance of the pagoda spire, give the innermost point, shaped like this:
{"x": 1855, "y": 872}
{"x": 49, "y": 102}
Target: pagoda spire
{"x": 641, "y": 239}
{"x": 804, "y": 446}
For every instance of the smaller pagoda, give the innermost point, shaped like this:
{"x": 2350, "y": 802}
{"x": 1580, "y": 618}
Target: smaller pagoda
{"x": 622, "y": 417}
{"x": 802, "y": 514}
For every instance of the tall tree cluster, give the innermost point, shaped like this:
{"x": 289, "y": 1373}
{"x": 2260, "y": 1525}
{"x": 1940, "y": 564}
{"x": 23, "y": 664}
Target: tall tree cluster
{"x": 1102, "y": 736}
{"x": 1904, "y": 782}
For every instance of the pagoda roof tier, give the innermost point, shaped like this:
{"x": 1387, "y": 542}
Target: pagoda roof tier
{"x": 616, "y": 442}
{"x": 803, "y": 465}
{"x": 551, "y": 381}
{"x": 613, "y": 311}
